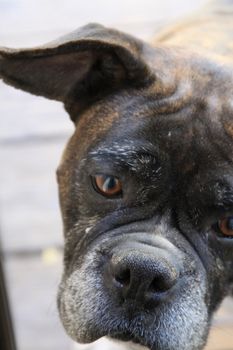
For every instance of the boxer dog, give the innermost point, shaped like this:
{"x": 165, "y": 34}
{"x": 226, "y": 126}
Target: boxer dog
{"x": 146, "y": 180}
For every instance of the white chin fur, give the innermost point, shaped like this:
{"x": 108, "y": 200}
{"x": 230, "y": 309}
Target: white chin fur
{"x": 106, "y": 344}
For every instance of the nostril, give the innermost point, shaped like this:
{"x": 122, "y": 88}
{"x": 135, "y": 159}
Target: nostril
{"x": 123, "y": 277}
{"x": 160, "y": 285}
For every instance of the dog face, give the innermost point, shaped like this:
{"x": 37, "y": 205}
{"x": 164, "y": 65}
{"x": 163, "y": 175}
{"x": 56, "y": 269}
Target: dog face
{"x": 146, "y": 185}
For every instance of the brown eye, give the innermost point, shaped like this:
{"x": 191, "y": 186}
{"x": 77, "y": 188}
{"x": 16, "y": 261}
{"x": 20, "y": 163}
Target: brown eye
{"x": 225, "y": 226}
{"x": 107, "y": 185}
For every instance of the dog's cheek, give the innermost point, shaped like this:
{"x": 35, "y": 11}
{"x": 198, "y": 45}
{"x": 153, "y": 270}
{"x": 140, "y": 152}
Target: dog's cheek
{"x": 82, "y": 302}
{"x": 185, "y": 321}
{"x": 74, "y": 312}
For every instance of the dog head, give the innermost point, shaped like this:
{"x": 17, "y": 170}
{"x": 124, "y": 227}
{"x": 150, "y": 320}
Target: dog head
{"x": 146, "y": 184}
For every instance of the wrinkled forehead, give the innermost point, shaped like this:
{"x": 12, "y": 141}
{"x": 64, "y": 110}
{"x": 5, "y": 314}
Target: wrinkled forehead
{"x": 194, "y": 108}
{"x": 188, "y": 144}
{"x": 181, "y": 114}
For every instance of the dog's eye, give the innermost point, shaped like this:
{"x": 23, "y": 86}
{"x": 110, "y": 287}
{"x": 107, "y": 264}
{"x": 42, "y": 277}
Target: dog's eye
{"x": 107, "y": 185}
{"x": 225, "y": 226}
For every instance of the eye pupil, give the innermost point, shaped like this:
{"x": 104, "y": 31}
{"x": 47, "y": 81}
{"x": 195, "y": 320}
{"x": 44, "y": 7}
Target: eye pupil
{"x": 230, "y": 223}
{"x": 107, "y": 185}
{"x": 225, "y": 227}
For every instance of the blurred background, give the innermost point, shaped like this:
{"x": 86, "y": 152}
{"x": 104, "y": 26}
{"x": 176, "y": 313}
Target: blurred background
{"x": 33, "y": 132}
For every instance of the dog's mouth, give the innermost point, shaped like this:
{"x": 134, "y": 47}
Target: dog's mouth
{"x": 128, "y": 337}
{"x": 142, "y": 296}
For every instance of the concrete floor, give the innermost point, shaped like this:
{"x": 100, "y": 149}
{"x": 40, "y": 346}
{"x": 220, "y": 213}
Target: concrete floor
{"x": 33, "y": 132}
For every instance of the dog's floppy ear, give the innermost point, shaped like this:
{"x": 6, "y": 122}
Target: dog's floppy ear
{"x": 85, "y": 65}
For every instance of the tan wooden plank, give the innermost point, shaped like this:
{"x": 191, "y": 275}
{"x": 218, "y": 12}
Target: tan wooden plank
{"x": 221, "y": 338}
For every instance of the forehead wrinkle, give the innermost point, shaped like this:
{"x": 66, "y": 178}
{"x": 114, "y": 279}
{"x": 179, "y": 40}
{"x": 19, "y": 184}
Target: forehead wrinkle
{"x": 129, "y": 154}
{"x": 223, "y": 194}
{"x": 126, "y": 148}
{"x": 115, "y": 150}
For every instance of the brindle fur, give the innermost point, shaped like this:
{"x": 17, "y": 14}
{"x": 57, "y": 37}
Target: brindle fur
{"x": 160, "y": 117}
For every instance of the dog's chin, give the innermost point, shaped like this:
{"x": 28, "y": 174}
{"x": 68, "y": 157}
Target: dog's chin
{"x": 113, "y": 344}
{"x": 139, "y": 338}
{"x": 129, "y": 342}
{"x": 168, "y": 333}
{"x": 124, "y": 340}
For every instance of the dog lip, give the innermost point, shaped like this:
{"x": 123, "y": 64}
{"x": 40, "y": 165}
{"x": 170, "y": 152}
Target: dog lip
{"x": 126, "y": 337}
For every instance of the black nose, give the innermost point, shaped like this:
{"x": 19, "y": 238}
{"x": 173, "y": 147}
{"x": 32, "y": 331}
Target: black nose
{"x": 141, "y": 275}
